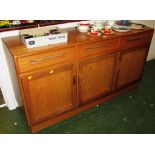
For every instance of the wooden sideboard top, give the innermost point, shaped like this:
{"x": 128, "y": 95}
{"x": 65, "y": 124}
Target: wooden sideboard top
{"x": 17, "y": 48}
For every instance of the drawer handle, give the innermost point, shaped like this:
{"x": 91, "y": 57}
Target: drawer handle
{"x": 135, "y": 39}
{"x": 100, "y": 46}
{"x": 36, "y": 61}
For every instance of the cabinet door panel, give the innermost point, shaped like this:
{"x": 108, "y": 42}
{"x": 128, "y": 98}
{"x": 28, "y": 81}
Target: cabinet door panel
{"x": 131, "y": 65}
{"x": 49, "y": 92}
{"x": 96, "y": 77}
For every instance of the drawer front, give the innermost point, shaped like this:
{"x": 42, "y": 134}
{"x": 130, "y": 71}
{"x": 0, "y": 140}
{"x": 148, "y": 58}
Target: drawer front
{"x": 97, "y": 47}
{"x": 28, "y": 63}
{"x": 135, "y": 40}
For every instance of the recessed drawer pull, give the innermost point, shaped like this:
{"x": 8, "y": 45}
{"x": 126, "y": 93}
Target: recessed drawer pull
{"x": 36, "y": 61}
{"x": 100, "y": 46}
{"x": 135, "y": 39}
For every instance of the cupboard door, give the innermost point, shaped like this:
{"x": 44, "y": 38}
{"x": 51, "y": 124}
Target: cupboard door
{"x": 96, "y": 77}
{"x": 131, "y": 65}
{"x": 49, "y": 92}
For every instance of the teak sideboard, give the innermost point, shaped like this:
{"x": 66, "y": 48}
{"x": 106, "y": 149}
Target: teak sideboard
{"x": 61, "y": 80}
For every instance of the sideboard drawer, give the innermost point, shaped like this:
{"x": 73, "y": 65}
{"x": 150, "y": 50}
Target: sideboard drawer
{"x": 135, "y": 39}
{"x": 45, "y": 59}
{"x": 96, "y": 47}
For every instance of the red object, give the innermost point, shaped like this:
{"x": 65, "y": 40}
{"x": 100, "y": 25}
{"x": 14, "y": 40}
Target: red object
{"x": 23, "y": 21}
{"x": 84, "y": 24}
{"x": 107, "y": 31}
{"x": 94, "y": 33}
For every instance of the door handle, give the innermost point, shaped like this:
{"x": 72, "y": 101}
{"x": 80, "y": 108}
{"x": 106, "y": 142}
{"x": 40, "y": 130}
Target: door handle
{"x": 99, "y": 46}
{"x": 135, "y": 38}
{"x": 75, "y": 80}
{"x": 40, "y": 60}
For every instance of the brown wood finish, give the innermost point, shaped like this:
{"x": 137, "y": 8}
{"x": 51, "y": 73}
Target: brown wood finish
{"x": 96, "y": 77}
{"x": 49, "y": 92}
{"x": 59, "y": 81}
{"x": 96, "y": 47}
{"x": 131, "y": 65}
{"x": 135, "y": 40}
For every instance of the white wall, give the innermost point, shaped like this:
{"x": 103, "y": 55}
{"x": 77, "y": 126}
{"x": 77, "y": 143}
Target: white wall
{"x": 150, "y": 23}
{"x": 5, "y": 80}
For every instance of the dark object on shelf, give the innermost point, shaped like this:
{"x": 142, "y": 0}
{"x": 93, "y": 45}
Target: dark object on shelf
{"x": 51, "y": 31}
{"x": 28, "y": 37}
{"x": 55, "y": 31}
{"x": 46, "y": 34}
